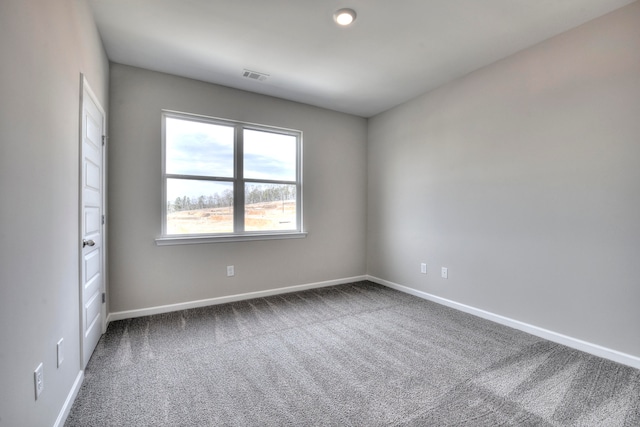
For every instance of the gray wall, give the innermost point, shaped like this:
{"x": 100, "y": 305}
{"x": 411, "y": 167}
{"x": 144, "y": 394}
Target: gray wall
{"x": 44, "y": 47}
{"x": 522, "y": 178}
{"x": 144, "y": 275}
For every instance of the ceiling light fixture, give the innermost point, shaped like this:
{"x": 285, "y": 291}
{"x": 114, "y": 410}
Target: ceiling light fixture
{"x": 344, "y": 17}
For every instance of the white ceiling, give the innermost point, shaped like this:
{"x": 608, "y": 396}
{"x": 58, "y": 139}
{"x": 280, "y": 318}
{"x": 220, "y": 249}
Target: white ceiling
{"x": 396, "y": 49}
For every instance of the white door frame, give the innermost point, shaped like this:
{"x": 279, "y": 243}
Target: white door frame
{"x": 85, "y": 88}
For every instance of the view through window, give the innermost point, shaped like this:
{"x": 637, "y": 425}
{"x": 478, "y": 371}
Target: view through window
{"x": 223, "y": 177}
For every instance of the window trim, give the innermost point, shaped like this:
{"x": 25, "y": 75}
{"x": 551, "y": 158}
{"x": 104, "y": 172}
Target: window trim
{"x": 239, "y": 233}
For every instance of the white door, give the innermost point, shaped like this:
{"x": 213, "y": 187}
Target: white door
{"x": 91, "y": 223}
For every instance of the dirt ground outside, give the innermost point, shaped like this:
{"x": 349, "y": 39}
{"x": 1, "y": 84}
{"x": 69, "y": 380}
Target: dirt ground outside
{"x": 258, "y": 217}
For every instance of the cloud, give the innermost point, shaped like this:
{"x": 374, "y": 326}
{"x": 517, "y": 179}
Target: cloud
{"x": 269, "y": 156}
{"x": 195, "y": 148}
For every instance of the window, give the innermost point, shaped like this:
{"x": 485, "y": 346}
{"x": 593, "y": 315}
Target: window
{"x": 225, "y": 180}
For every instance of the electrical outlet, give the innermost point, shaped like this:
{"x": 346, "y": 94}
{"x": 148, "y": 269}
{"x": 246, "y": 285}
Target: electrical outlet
{"x": 230, "y": 271}
{"x": 445, "y": 273}
{"x": 38, "y": 380}
{"x": 59, "y": 352}
{"x": 423, "y": 268}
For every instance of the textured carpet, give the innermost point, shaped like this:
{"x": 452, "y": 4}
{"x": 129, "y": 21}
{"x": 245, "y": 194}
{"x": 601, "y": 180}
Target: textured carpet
{"x": 349, "y": 355}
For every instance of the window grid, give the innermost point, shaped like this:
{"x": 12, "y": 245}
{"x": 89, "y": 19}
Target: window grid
{"x": 238, "y": 180}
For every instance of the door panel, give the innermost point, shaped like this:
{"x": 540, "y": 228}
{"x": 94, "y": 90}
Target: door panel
{"x": 92, "y": 221}
{"x": 92, "y": 251}
{"x": 92, "y": 176}
{"x": 92, "y": 311}
{"x": 92, "y": 268}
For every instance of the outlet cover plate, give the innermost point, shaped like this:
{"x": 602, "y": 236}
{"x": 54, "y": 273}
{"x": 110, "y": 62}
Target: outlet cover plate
{"x": 231, "y": 271}
{"x": 445, "y": 273}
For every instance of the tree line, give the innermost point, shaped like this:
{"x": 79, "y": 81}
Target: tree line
{"x": 253, "y": 194}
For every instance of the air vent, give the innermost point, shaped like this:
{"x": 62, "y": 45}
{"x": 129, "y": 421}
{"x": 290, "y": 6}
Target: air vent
{"x": 254, "y": 75}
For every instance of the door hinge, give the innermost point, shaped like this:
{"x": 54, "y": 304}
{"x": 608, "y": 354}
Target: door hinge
{"x": 102, "y": 219}
{"x": 104, "y": 297}
{"x": 104, "y": 139}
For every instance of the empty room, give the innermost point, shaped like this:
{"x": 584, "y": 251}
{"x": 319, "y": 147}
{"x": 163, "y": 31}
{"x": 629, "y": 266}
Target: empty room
{"x": 362, "y": 213}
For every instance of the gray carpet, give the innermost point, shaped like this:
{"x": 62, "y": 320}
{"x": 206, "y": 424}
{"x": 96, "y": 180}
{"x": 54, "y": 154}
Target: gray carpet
{"x": 349, "y": 355}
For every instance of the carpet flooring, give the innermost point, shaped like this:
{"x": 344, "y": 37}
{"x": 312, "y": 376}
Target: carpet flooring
{"x": 350, "y": 355}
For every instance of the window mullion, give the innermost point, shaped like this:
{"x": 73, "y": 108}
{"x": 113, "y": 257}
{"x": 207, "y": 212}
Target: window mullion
{"x": 268, "y": 181}
{"x": 198, "y": 177}
{"x": 238, "y": 199}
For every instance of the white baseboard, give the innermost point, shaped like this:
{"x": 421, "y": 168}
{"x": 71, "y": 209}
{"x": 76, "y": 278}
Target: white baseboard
{"x": 130, "y": 314}
{"x": 68, "y": 403}
{"x": 575, "y": 343}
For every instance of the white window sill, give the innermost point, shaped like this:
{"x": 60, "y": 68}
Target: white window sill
{"x": 196, "y": 240}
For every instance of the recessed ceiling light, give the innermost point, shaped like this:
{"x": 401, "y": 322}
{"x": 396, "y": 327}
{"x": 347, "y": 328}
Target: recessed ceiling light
{"x": 344, "y": 17}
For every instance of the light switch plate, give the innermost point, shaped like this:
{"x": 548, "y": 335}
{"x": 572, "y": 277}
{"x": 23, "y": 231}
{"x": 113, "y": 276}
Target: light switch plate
{"x": 60, "y": 352}
{"x": 38, "y": 380}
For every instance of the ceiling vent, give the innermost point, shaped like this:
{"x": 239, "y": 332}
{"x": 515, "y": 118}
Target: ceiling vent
{"x": 254, "y": 75}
